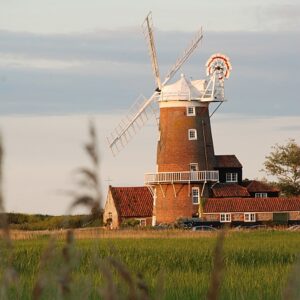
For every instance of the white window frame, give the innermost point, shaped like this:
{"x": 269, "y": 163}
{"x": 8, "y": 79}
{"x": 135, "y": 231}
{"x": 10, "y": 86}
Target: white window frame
{"x": 225, "y": 217}
{"x": 195, "y": 195}
{"x": 191, "y": 113}
{"x": 261, "y": 195}
{"x": 249, "y": 217}
{"x": 232, "y": 177}
{"x": 194, "y": 132}
{"x": 194, "y": 167}
{"x": 143, "y": 222}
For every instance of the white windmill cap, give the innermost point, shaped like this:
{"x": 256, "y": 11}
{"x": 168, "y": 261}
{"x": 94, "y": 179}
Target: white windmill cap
{"x": 182, "y": 90}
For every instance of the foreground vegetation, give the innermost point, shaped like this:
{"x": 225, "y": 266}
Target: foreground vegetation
{"x": 139, "y": 264}
{"x": 257, "y": 266}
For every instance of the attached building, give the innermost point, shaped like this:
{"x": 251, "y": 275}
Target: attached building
{"x": 259, "y": 189}
{"x": 125, "y": 203}
{"x": 230, "y": 169}
{"x": 225, "y": 190}
{"x": 252, "y": 210}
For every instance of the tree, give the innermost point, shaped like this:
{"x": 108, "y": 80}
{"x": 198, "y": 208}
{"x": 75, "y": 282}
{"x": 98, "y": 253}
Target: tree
{"x": 284, "y": 163}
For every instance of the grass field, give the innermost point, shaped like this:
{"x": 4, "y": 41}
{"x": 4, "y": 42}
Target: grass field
{"x": 257, "y": 264}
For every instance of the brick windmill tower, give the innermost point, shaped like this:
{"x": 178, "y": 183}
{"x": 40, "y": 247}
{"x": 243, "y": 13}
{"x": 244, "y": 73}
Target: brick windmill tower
{"x": 185, "y": 151}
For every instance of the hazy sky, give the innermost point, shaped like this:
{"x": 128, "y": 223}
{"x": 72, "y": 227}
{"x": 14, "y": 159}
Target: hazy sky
{"x": 62, "y": 60}
{"x": 65, "y": 16}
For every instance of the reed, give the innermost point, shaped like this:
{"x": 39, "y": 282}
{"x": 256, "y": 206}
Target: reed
{"x": 90, "y": 178}
{"x": 8, "y": 275}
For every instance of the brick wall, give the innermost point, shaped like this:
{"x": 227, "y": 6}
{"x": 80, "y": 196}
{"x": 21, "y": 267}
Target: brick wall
{"x": 175, "y": 151}
{"x": 211, "y": 217}
{"x": 110, "y": 208}
{"x": 238, "y": 217}
{"x": 169, "y": 208}
{"x": 261, "y": 216}
{"x": 264, "y": 216}
{"x": 294, "y": 215}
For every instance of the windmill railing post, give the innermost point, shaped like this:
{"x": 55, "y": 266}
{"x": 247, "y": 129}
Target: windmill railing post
{"x": 180, "y": 177}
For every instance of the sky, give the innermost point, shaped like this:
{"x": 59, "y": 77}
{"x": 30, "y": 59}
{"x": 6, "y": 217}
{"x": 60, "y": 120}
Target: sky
{"x": 62, "y": 62}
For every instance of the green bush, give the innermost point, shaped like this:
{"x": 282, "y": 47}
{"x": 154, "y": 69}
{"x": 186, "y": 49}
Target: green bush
{"x": 130, "y": 223}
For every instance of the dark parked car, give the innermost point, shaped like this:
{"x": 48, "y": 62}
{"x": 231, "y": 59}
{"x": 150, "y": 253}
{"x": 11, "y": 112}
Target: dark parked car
{"x": 203, "y": 228}
{"x": 189, "y": 223}
{"x": 163, "y": 226}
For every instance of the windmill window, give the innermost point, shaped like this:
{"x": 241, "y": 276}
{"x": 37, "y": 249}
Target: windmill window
{"x": 249, "y": 217}
{"x": 225, "y": 218}
{"x": 261, "y": 195}
{"x": 192, "y": 134}
{"x": 231, "y": 177}
{"x": 110, "y": 215}
{"x": 194, "y": 167}
{"x": 191, "y": 111}
{"x": 195, "y": 195}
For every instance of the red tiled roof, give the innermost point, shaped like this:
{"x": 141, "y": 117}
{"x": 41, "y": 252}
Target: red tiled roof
{"x": 219, "y": 205}
{"x": 133, "y": 201}
{"x": 227, "y": 161}
{"x": 254, "y": 186}
{"x": 229, "y": 190}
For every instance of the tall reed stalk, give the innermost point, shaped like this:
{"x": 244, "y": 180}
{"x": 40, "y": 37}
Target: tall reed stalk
{"x": 8, "y": 275}
{"x": 90, "y": 178}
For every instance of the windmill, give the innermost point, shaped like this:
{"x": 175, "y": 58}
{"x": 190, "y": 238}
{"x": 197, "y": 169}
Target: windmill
{"x": 185, "y": 152}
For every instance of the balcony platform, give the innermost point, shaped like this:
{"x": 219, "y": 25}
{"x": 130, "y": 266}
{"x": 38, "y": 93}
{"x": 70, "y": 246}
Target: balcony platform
{"x": 181, "y": 177}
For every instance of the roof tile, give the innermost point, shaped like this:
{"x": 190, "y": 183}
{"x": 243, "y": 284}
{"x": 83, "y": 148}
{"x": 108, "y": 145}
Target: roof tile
{"x": 259, "y": 186}
{"x": 220, "y": 205}
{"x": 227, "y": 161}
{"x": 229, "y": 190}
{"x": 133, "y": 201}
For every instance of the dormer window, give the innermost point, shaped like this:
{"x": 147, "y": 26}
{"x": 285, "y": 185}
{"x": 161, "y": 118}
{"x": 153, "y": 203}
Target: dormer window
{"x": 191, "y": 111}
{"x": 192, "y": 134}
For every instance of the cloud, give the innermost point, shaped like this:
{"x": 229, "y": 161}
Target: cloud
{"x": 286, "y": 16}
{"x": 103, "y": 45}
{"x": 278, "y": 17}
{"x": 108, "y": 70}
{"x": 129, "y": 46}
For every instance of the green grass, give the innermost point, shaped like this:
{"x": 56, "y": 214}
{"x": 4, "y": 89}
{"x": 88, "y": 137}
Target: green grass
{"x": 257, "y": 265}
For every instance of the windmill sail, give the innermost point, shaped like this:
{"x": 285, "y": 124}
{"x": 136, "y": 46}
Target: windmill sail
{"x": 139, "y": 113}
{"x": 186, "y": 54}
{"x": 148, "y": 33}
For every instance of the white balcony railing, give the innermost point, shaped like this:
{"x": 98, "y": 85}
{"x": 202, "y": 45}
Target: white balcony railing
{"x": 181, "y": 177}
